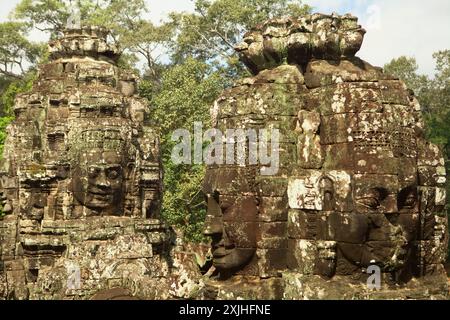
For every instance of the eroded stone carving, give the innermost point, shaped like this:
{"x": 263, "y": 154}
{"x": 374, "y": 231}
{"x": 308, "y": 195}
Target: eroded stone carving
{"x": 358, "y": 184}
{"x": 81, "y": 184}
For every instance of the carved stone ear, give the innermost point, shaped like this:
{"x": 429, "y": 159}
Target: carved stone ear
{"x": 326, "y": 186}
{"x": 129, "y": 170}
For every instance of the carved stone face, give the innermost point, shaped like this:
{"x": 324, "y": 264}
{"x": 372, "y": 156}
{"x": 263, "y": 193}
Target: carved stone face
{"x": 33, "y": 208}
{"x": 383, "y": 224}
{"x": 231, "y": 221}
{"x": 383, "y": 221}
{"x": 98, "y": 180}
{"x": 365, "y": 193}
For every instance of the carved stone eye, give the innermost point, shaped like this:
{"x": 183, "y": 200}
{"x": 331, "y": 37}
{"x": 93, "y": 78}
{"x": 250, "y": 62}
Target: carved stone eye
{"x": 213, "y": 204}
{"x": 93, "y": 172}
{"x": 371, "y": 202}
{"x": 113, "y": 174}
{"x": 410, "y": 201}
{"x": 327, "y": 190}
{"x": 373, "y": 198}
{"x": 216, "y": 196}
{"x": 225, "y": 203}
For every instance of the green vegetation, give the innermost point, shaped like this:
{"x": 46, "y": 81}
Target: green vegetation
{"x": 199, "y": 63}
{"x": 185, "y": 95}
{"x": 185, "y": 63}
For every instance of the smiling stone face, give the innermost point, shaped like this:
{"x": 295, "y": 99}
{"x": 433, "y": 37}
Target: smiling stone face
{"x": 367, "y": 196}
{"x": 358, "y": 187}
{"x": 98, "y": 180}
{"x": 99, "y": 167}
{"x": 231, "y": 219}
{"x": 80, "y": 182}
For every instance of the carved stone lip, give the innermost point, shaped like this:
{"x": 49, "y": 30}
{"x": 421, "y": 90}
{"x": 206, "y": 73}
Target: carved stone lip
{"x": 220, "y": 252}
{"x": 100, "y": 193}
{"x": 102, "y": 198}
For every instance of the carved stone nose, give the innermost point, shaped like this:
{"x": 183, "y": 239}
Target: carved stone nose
{"x": 213, "y": 222}
{"x": 213, "y": 207}
{"x": 102, "y": 180}
{"x": 391, "y": 209}
{"x": 213, "y": 226}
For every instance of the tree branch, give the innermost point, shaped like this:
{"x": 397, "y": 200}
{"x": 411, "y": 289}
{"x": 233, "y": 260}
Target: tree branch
{"x": 10, "y": 74}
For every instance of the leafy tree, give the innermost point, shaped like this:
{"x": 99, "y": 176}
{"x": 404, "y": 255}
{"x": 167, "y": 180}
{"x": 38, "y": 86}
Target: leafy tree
{"x": 133, "y": 34}
{"x": 16, "y": 51}
{"x": 46, "y": 15}
{"x": 7, "y": 101}
{"x": 440, "y": 89}
{"x": 4, "y": 83}
{"x": 14, "y": 88}
{"x": 406, "y": 69}
{"x": 186, "y": 93}
{"x": 433, "y": 94}
{"x": 212, "y": 31}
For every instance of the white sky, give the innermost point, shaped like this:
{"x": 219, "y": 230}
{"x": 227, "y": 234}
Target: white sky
{"x": 415, "y": 28}
{"x": 394, "y": 27}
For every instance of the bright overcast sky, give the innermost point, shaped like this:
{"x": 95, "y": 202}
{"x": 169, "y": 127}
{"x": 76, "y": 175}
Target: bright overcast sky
{"x": 394, "y": 27}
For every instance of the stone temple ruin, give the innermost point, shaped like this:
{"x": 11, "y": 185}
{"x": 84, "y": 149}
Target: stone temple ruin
{"x": 358, "y": 187}
{"x": 81, "y": 179}
{"x": 358, "y": 190}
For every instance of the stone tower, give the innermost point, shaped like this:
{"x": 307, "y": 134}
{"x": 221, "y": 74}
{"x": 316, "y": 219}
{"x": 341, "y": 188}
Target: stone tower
{"x": 358, "y": 201}
{"x": 81, "y": 181}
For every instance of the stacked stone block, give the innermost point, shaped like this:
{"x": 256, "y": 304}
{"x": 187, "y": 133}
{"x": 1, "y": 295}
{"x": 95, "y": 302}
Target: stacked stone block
{"x": 81, "y": 183}
{"x": 358, "y": 185}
